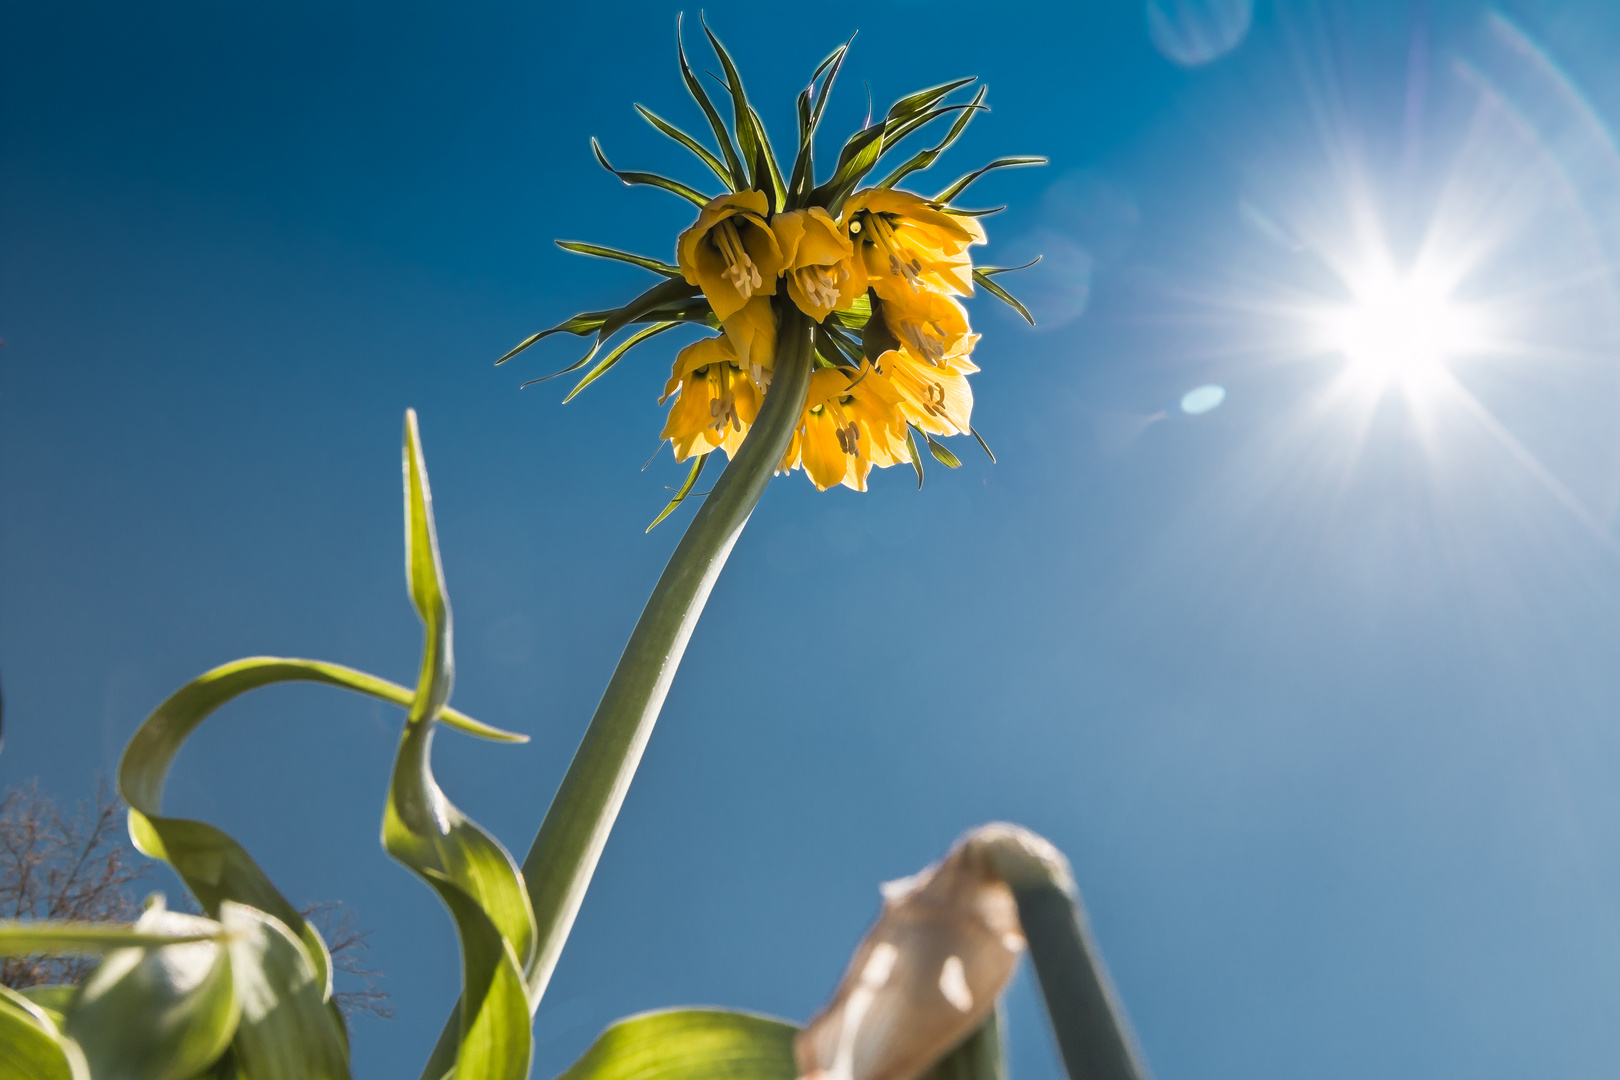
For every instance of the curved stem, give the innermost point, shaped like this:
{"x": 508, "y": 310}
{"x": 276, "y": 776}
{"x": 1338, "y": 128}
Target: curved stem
{"x": 559, "y": 865}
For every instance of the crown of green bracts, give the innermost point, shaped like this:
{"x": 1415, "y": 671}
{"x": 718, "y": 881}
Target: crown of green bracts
{"x": 878, "y": 271}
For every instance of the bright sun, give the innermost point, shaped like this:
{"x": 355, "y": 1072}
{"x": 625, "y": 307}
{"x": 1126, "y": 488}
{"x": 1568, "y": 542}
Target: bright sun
{"x": 1398, "y": 326}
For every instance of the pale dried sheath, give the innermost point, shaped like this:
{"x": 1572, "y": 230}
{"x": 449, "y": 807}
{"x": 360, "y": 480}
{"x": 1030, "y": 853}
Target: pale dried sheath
{"x": 927, "y": 974}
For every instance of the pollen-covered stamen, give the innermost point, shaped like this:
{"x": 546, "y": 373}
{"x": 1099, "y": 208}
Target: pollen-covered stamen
{"x": 740, "y": 269}
{"x": 924, "y": 344}
{"x": 820, "y": 284}
{"x": 849, "y": 439}
{"x": 902, "y": 264}
{"x": 723, "y": 408}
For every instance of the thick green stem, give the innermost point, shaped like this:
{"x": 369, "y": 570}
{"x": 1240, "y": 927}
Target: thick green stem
{"x": 563, "y": 857}
{"x": 1087, "y": 1016}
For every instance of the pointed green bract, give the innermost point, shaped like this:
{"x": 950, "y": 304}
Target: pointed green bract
{"x": 924, "y": 158}
{"x": 632, "y": 179}
{"x": 962, "y": 183}
{"x": 692, "y": 1044}
{"x": 697, "y": 148}
{"x": 617, "y": 354}
{"x": 657, "y": 266}
{"x": 739, "y": 178}
{"x": 980, "y": 277}
{"x": 941, "y": 454}
{"x": 692, "y": 475}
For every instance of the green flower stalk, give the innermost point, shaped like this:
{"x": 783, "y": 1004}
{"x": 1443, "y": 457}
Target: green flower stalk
{"x": 840, "y": 339}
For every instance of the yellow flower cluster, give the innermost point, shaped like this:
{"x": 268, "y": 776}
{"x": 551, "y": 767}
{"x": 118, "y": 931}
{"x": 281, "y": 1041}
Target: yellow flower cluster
{"x": 903, "y": 255}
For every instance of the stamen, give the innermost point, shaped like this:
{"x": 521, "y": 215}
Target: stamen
{"x": 909, "y": 270}
{"x": 929, "y": 348}
{"x": 740, "y": 269}
{"x": 820, "y": 284}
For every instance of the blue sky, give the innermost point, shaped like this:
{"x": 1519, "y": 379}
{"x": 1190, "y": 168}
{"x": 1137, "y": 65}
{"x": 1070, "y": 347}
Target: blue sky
{"x": 1317, "y": 689}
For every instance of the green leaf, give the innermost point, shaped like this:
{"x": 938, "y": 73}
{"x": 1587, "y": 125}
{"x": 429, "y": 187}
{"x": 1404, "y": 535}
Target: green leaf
{"x": 979, "y": 1056}
{"x": 690, "y": 1044}
{"x": 923, "y": 100}
{"x": 803, "y": 176}
{"x": 472, "y": 873}
{"x": 38, "y": 938}
{"x": 31, "y": 1047}
{"x": 286, "y": 1031}
{"x": 631, "y": 179}
{"x": 53, "y": 1001}
{"x": 613, "y": 357}
{"x": 686, "y": 489}
{"x": 778, "y": 189}
{"x": 669, "y": 270}
{"x": 982, "y": 444}
{"x": 739, "y": 177}
{"x": 916, "y": 458}
{"x": 1003, "y": 295}
{"x": 854, "y": 317}
{"x": 899, "y": 129}
{"x": 157, "y": 1013}
{"x": 586, "y": 322}
{"x": 925, "y": 158}
{"x": 941, "y": 454}
{"x": 742, "y": 119}
{"x": 855, "y": 160}
{"x": 1000, "y": 163}
{"x": 702, "y": 152}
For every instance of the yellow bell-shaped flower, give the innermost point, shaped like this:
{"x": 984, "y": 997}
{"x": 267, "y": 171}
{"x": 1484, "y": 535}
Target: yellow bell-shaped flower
{"x": 907, "y": 244}
{"x": 730, "y": 252}
{"x": 717, "y": 402}
{"x": 818, "y": 261}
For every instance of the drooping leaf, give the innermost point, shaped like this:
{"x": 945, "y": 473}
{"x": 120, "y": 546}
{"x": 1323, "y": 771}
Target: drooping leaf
{"x": 702, "y": 152}
{"x": 31, "y": 1046}
{"x": 160, "y": 1012}
{"x": 690, "y": 1044}
{"x": 941, "y": 453}
{"x": 286, "y": 1031}
{"x": 983, "y": 278}
{"x": 739, "y": 177}
{"x": 657, "y": 266}
{"x": 632, "y": 179}
{"x": 686, "y": 489}
{"x": 473, "y": 874}
{"x": 961, "y": 184}
{"x": 916, "y": 458}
